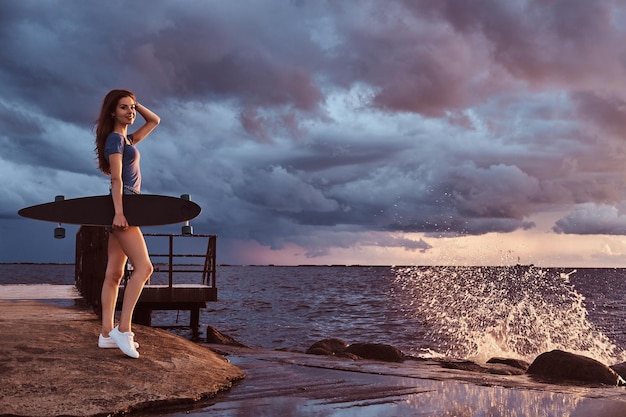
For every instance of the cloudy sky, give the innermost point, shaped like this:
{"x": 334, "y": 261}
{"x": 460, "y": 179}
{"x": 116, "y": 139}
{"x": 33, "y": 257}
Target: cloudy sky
{"x": 324, "y": 132}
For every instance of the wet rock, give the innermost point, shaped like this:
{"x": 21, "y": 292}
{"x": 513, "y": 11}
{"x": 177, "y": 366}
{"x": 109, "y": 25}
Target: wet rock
{"x": 620, "y": 368}
{"x": 514, "y": 363}
{"x": 328, "y": 347}
{"x": 331, "y": 347}
{"x": 339, "y": 348}
{"x": 462, "y": 365}
{"x": 560, "y": 366}
{"x": 216, "y": 337}
{"x": 348, "y": 355}
{"x": 489, "y": 368}
{"x": 376, "y": 351}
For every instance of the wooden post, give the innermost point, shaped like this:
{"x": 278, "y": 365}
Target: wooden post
{"x": 194, "y": 322}
{"x": 142, "y": 315}
{"x": 90, "y": 264}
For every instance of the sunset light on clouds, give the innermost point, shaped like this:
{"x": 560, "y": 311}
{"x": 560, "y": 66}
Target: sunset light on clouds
{"x": 322, "y": 132}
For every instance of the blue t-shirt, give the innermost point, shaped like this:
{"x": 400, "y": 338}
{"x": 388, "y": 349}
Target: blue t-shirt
{"x": 131, "y": 174}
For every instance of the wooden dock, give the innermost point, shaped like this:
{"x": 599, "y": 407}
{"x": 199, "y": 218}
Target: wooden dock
{"x": 190, "y": 297}
{"x": 177, "y": 294}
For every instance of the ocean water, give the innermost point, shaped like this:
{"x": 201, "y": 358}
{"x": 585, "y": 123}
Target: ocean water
{"x": 459, "y": 312}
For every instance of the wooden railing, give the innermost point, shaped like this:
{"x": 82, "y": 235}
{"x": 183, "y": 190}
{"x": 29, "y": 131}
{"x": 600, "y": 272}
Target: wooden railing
{"x": 208, "y": 267}
{"x": 91, "y": 259}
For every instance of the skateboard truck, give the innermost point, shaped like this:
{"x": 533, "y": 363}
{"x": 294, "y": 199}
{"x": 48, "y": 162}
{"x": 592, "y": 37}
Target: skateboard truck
{"x": 59, "y": 232}
{"x": 187, "y": 230}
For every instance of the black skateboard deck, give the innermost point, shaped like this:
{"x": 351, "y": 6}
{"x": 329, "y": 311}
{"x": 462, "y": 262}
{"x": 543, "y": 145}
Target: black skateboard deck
{"x": 140, "y": 210}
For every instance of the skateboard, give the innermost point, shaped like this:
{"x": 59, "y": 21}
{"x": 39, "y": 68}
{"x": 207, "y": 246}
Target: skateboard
{"x": 139, "y": 210}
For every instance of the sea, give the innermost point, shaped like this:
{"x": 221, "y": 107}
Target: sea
{"x": 472, "y": 313}
{"x": 454, "y": 312}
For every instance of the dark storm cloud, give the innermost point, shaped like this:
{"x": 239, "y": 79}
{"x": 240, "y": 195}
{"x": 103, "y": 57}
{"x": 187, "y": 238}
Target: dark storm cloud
{"x": 294, "y": 121}
{"x": 536, "y": 41}
{"x": 602, "y": 109}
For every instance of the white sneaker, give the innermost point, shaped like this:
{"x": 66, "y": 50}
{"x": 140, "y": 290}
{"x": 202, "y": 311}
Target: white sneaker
{"x": 108, "y": 343}
{"x": 125, "y": 341}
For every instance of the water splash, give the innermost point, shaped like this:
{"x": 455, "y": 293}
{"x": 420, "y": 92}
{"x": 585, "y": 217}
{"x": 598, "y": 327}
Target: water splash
{"x": 519, "y": 311}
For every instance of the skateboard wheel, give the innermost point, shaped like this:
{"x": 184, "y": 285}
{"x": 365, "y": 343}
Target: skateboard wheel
{"x": 59, "y": 233}
{"x": 59, "y": 198}
{"x": 187, "y": 230}
{"x": 186, "y": 197}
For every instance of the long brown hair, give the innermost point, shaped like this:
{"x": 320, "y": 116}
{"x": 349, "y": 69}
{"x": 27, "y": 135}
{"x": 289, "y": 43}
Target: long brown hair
{"x": 104, "y": 124}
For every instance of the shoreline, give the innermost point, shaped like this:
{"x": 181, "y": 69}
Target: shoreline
{"x": 51, "y": 366}
{"x": 299, "y": 384}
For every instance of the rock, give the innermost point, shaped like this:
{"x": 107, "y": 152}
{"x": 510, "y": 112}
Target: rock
{"x": 462, "y": 365}
{"x": 376, "y": 351}
{"x": 514, "y": 363}
{"x": 560, "y": 366}
{"x": 489, "y": 368}
{"x": 215, "y": 336}
{"x": 319, "y": 351}
{"x": 355, "y": 351}
{"x": 348, "y": 355}
{"x": 51, "y": 366}
{"x": 328, "y": 347}
{"x": 620, "y": 368}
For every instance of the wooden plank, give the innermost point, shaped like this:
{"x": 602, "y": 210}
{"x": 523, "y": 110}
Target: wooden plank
{"x": 38, "y": 292}
{"x": 178, "y": 293}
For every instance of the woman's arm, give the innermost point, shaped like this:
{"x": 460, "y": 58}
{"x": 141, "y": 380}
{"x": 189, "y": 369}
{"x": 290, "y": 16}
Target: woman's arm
{"x": 152, "y": 121}
{"x": 117, "y": 189}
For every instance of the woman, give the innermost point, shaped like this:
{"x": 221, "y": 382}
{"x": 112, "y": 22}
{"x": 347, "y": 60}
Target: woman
{"x": 118, "y": 158}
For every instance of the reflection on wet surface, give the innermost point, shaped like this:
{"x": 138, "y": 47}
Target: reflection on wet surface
{"x": 295, "y": 384}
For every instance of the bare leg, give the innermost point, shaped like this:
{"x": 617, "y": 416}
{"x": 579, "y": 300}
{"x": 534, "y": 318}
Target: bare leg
{"x": 113, "y": 276}
{"x": 132, "y": 243}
